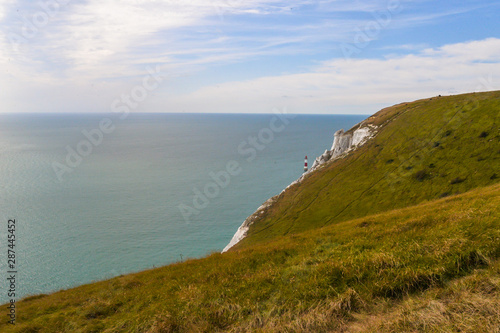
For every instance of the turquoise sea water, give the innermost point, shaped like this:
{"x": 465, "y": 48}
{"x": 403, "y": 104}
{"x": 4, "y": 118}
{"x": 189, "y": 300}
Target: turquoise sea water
{"x": 117, "y": 211}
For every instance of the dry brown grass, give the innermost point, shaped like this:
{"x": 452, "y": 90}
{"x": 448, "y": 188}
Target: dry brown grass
{"x": 469, "y": 304}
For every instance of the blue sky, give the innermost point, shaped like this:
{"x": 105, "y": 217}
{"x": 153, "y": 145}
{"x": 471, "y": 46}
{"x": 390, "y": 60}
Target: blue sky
{"x": 235, "y": 56}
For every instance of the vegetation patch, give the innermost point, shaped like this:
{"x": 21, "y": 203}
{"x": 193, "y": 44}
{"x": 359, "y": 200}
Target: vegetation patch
{"x": 457, "y": 180}
{"x": 421, "y": 175}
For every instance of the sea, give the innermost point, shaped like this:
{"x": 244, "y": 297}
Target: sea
{"x": 94, "y": 196}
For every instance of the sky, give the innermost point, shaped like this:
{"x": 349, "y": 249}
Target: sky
{"x": 236, "y": 56}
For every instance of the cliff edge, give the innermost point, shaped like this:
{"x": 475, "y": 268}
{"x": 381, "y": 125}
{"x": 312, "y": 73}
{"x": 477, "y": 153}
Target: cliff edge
{"x": 401, "y": 156}
{"x": 343, "y": 143}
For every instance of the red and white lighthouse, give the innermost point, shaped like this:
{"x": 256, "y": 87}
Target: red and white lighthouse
{"x": 305, "y": 164}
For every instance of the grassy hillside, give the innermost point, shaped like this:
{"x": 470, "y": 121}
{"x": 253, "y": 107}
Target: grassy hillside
{"x": 424, "y": 150}
{"x": 402, "y": 235}
{"x": 360, "y": 275}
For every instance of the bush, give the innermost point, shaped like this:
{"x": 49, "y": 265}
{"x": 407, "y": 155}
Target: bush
{"x": 457, "y": 180}
{"x": 421, "y": 175}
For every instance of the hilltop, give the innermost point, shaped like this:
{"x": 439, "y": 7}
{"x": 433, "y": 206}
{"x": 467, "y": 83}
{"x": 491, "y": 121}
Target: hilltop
{"x": 421, "y": 151}
{"x": 400, "y": 234}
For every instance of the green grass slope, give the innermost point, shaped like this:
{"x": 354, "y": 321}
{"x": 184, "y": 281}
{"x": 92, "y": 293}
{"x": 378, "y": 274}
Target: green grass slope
{"x": 402, "y": 234}
{"x": 430, "y": 267}
{"x": 424, "y": 150}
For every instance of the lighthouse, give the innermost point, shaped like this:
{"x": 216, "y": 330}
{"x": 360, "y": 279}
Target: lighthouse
{"x": 305, "y": 164}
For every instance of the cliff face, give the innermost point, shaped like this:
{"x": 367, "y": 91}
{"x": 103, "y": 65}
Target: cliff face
{"x": 343, "y": 142}
{"x": 243, "y": 229}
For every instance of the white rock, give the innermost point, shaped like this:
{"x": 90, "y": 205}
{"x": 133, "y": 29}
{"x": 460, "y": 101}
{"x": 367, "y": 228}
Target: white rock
{"x": 359, "y": 135}
{"x": 341, "y": 142}
{"x": 238, "y": 236}
{"x": 243, "y": 229}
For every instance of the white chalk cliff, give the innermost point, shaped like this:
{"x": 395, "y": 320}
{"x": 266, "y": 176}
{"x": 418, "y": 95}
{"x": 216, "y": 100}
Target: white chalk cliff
{"x": 243, "y": 229}
{"x": 343, "y": 143}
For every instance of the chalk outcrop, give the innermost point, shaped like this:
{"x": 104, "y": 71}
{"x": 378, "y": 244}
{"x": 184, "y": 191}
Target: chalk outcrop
{"x": 243, "y": 229}
{"x": 343, "y": 143}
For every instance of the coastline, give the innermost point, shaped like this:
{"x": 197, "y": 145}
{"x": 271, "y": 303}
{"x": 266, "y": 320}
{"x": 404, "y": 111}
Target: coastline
{"x": 343, "y": 144}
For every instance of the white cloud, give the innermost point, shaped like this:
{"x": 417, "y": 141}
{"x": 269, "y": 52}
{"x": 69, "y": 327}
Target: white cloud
{"x": 346, "y": 86}
{"x": 100, "y": 39}
{"x": 90, "y": 51}
{"x": 484, "y": 50}
{"x": 103, "y": 39}
{"x": 4, "y": 6}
